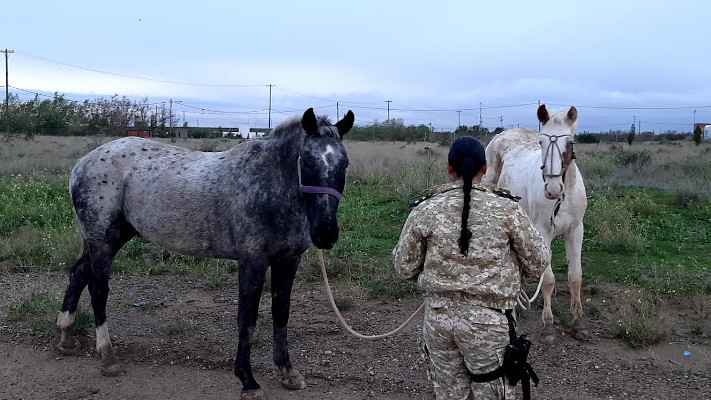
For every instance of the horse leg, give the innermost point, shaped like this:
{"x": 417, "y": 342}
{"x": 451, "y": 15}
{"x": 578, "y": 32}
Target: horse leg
{"x": 548, "y": 334}
{"x": 251, "y": 281}
{"x": 79, "y": 277}
{"x": 101, "y": 263}
{"x": 573, "y": 251}
{"x": 282, "y": 280}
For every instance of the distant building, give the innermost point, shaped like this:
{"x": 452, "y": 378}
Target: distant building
{"x": 705, "y": 128}
{"x": 144, "y": 133}
{"x": 181, "y": 133}
{"x": 247, "y": 133}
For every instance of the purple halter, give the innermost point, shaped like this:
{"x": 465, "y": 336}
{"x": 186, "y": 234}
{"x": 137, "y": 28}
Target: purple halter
{"x": 318, "y": 189}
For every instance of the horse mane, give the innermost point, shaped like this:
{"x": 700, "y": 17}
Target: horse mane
{"x": 292, "y": 126}
{"x": 559, "y": 117}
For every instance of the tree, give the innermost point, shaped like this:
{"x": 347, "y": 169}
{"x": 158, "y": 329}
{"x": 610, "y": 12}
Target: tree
{"x": 698, "y": 135}
{"x": 630, "y": 136}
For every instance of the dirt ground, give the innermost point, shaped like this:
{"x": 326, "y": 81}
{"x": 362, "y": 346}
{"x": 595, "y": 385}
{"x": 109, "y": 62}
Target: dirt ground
{"x": 182, "y": 345}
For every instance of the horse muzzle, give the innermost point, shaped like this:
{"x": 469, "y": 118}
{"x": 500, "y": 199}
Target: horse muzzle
{"x": 324, "y": 237}
{"x": 554, "y": 190}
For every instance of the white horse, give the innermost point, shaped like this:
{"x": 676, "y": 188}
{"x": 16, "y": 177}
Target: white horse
{"x": 540, "y": 168}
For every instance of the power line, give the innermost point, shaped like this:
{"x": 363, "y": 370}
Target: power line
{"x": 634, "y": 108}
{"x": 133, "y": 76}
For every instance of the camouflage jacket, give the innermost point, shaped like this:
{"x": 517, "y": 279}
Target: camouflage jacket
{"x": 504, "y": 244}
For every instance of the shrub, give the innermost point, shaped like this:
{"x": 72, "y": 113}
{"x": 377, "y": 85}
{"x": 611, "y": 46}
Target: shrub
{"x": 641, "y": 323}
{"x": 587, "y": 138}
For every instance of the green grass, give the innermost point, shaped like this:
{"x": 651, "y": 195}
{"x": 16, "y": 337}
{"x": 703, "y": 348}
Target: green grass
{"x": 40, "y": 312}
{"x": 645, "y": 238}
{"x": 642, "y": 238}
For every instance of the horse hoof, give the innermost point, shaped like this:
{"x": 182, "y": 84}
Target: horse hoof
{"x": 582, "y": 335}
{"x": 70, "y": 346}
{"x": 112, "y": 370}
{"x": 548, "y": 335}
{"x": 580, "y": 331}
{"x": 293, "y": 380}
{"x": 255, "y": 394}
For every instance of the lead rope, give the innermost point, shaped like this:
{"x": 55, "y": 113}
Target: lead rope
{"x": 343, "y": 321}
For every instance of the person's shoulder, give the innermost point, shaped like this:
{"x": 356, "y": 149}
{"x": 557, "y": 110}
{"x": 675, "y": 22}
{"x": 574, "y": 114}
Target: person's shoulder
{"x": 503, "y": 193}
{"x": 435, "y": 193}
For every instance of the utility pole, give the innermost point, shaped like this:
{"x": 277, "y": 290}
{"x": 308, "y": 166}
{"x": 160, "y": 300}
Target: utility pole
{"x": 7, "y": 92}
{"x": 694, "y": 127}
{"x": 170, "y": 115}
{"x": 388, "y": 101}
{"x": 481, "y": 122}
{"x": 338, "y": 113}
{"x": 270, "y": 106}
{"x": 459, "y": 118}
{"x": 170, "y": 125}
{"x": 639, "y": 126}
{"x": 501, "y": 118}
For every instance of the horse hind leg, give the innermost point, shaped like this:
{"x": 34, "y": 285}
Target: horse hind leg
{"x": 79, "y": 277}
{"x": 99, "y": 290}
{"x": 282, "y": 281}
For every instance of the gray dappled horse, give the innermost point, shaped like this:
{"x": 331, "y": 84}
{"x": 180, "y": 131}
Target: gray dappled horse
{"x": 261, "y": 203}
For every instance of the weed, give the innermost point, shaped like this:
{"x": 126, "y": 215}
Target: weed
{"x": 40, "y": 311}
{"x": 179, "y": 327}
{"x": 641, "y": 323}
{"x": 594, "y": 311}
{"x": 700, "y": 313}
{"x": 685, "y": 198}
{"x": 344, "y": 303}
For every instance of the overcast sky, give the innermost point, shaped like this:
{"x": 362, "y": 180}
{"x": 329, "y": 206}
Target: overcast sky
{"x": 617, "y": 61}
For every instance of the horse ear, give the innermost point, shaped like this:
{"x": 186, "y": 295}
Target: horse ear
{"x": 346, "y": 123}
{"x": 308, "y": 121}
{"x": 572, "y": 115}
{"x": 543, "y": 114}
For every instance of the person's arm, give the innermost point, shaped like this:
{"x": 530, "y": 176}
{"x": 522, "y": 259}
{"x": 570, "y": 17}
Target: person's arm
{"x": 409, "y": 254}
{"x": 530, "y": 248}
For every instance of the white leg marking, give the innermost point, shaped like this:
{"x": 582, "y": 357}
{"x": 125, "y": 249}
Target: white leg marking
{"x": 65, "y": 320}
{"x": 103, "y": 341}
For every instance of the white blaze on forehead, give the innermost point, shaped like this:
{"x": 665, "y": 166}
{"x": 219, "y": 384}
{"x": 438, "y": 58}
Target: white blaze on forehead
{"x": 324, "y": 156}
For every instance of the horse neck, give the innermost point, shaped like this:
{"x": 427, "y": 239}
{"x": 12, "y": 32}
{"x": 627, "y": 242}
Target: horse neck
{"x": 285, "y": 157}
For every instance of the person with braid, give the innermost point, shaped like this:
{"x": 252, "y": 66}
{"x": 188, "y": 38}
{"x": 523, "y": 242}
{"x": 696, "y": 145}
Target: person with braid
{"x": 467, "y": 246}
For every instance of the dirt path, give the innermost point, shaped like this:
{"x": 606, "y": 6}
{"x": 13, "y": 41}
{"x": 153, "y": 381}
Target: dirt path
{"x": 182, "y": 344}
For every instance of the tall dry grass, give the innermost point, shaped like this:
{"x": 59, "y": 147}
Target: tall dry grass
{"x": 678, "y": 167}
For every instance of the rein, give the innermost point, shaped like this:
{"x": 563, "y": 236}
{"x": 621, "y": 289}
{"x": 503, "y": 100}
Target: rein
{"x": 343, "y": 321}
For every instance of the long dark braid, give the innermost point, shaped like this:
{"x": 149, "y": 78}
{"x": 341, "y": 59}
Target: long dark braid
{"x": 467, "y": 176}
{"x": 467, "y": 158}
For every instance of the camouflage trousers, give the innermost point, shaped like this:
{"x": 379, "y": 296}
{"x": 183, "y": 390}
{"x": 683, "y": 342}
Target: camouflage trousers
{"x": 461, "y": 339}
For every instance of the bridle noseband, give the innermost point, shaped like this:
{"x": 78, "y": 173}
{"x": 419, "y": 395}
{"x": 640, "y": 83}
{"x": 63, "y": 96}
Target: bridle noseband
{"x": 565, "y": 163}
{"x": 317, "y": 189}
{"x": 553, "y": 143}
